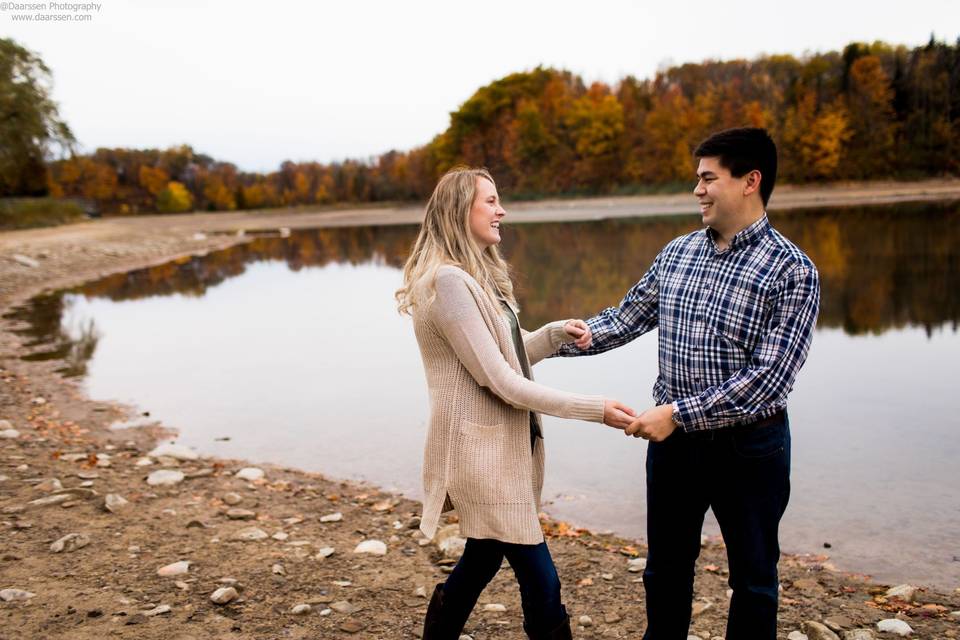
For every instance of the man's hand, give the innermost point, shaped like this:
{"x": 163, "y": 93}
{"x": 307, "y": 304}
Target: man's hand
{"x": 617, "y": 415}
{"x": 654, "y": 424}
{"x": 580, "y": 331}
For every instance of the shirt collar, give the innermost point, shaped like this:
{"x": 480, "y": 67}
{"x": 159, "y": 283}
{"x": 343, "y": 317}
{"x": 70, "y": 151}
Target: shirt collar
{"x": 744, "y": 237}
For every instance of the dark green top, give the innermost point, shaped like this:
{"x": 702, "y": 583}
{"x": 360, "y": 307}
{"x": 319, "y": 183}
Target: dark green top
{"x": 535, "y": 431}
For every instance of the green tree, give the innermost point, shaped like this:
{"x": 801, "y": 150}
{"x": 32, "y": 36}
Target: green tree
{"x": 30, "y": 126}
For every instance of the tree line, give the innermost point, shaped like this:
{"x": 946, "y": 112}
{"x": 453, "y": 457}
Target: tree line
{"x": 870, "y": 111}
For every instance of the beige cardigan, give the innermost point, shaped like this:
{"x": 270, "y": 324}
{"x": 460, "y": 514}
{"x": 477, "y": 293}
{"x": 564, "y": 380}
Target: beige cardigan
{"x": 477, "y": 456}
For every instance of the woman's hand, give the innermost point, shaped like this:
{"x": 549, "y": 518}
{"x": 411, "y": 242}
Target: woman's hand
{"x": 617, "y": 415}
{"x": 580, "y": 332}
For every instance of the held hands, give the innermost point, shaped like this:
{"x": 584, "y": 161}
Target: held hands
{"x": 617, "y": 415}
{"x": 654, "y": 424}
{"x": 580, "y": 331}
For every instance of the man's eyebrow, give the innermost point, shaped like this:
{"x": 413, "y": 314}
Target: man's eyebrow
{"x": 706, "y": 174}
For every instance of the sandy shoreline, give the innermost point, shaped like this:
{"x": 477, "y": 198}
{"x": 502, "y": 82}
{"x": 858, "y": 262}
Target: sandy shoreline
{"x": 106, "y": 586}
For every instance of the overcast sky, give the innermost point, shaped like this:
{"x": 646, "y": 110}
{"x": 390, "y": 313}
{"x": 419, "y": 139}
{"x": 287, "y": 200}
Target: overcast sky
{"x": 256, "y": 83}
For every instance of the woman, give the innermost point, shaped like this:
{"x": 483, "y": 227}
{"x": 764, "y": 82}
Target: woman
{"x": 484, "y": 451}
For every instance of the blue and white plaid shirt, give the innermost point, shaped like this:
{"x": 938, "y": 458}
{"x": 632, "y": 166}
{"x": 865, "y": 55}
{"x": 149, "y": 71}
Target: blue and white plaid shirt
{"x": 735, "y": 325}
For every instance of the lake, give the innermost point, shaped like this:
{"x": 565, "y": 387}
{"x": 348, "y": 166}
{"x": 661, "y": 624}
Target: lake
{"x": 292, "y": 349}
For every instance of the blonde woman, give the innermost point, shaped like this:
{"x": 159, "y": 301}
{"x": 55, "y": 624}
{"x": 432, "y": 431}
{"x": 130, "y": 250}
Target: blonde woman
{"x": 484, "y": 451}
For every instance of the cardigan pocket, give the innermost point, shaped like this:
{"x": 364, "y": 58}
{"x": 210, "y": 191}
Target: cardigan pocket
{"x": 480, "y": 463}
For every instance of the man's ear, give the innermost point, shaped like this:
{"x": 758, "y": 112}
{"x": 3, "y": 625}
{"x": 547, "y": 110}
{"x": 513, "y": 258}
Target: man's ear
{"x": 751, "y": 183}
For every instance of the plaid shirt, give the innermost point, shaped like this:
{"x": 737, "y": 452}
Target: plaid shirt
{"x": 735, "y": 325}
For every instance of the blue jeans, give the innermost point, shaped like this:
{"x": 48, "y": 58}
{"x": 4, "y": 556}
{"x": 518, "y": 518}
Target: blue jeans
{"x": 743, "y": 473}
{"x": 533, "y": 567}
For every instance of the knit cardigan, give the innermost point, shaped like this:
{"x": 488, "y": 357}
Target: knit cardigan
{"x": 477, "y": 458}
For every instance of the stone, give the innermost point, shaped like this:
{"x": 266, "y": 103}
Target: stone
{"x": 158, "y": 610}
{"x": 50, "y": 500}
{"x": 278, "y": 569}
{"x": 5, "y": 424}
{"x": 25, "y": 261}
{"x": 612, "y": 617}
{"x": 332, "y": 517}
{"x": 280, "y": 535}
{"x": 818, "y": 631}
{"x": 9, "y": 434}
{"x": 905, "y": 592}
{"x": 175, "y": 451}
{"x": 301, "y": 609}
{"x": 700, "y": 606}
{"x": 223, "y": 595}
{"x": 636, "y": 565}
{"x": 114, "y": 503}
{"x": 892, "y": 625}
{"x": 838, "y": 623}
{"x": 251, "y": 474}
{"x": 494, "y": 608}
{"x": 39, "y": 401}
{"x": 250, "y": 534}
{"x": 351, "y": 626}
{"x": 452, "y": 546}
{"x": 165, "y": 477}
{"x": 15, "y": 595}
{"x": 88, "y": 475}
{"x": 174, "y": 569}
{"x": 344, "y": 607}
{"x": 373, "y": 547}
{"x": 232, "y": 499}
{"x": 50, "y": 485}
{"x": 143, "y": 462}
{"x": 585, "y": 621}
{"x": 858, "y": 634}
{"x": 240, "y": 514}
{"x": 70, "y": 542}
{"x": 324, "y": 552}
{"x": 797, "y": 635}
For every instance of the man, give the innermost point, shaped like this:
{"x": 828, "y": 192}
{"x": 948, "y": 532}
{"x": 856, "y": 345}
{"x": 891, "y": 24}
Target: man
{"x": 736, "y": 306}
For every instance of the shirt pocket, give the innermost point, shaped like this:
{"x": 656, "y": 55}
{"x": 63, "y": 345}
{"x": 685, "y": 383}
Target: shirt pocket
{"x": 736, "y": 314}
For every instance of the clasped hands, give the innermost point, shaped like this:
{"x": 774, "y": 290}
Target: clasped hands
{"x": 655, "y": 424}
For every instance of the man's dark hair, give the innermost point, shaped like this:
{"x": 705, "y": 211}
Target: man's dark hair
{"x": 742, "y": 150}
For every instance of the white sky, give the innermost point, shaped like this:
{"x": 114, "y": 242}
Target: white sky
{"x": 256, "y": 83}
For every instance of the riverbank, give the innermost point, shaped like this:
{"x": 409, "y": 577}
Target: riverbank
{"x": 110, "y": 584}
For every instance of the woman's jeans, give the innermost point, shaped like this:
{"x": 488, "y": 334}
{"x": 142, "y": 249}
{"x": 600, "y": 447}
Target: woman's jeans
{"x": 743, "y": 474}
{"x": 533, "y": 567}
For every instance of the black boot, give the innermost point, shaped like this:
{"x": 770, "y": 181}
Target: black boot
{"x": 437, "y": 625}
{"x": 560, "y": 632}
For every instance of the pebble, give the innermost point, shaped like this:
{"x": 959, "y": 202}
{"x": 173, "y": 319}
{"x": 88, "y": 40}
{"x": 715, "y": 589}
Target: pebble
{"x": 250, "y": 534}
{"x": 838, "y": 623}
{"x": 158, "y": 610}
{"x": 49, "y": 500}
{"x": 585, "y": 621}
{"x": 324, "y": 552}
{"x": 797, "y": 635}
{"x": 494, "y": 608}
{"x": 114, "y": 503}
{"x": 326, "y": 612}
{"x": 636, "y": 565}
{"x": 332, "y": 517}
{"x": 88, "y": 475}
{"x": 612, "y": 617}
{"x": 5, "y": 424}
{"x": 819, "y": 631}
{"x": 15, "y": 595}
{"x": 240, "y": 514}
{"x": 700, "y": 606}
{"x": 280, "y": 535}
{"x": 905, "y": 592}
{"x": 374, "y": 547}
{"x": 143, "y": 462}
{"x": 301, "y": 609}
{"x": 232, "y": 499}
{"x": 351, "y": 626}
{"x": 50, "y": 485}
{"x": 175, "y": 451}
{"x": 858, "y": 634}
{"x": 70, "y": 542}
{"x": 174, "y": 569}
{"x": 39, "y": 401}
{"x": 892, "y": 625}
{"x": 344, "y": 607}
{"x": 25, "y": 261}
{"x": 165, "y": 477}
{"x": 278, "y": 570}
{"x": 251, "y": 474}
{"x": 223, "y": 595}
{"x": 9, "y": 434}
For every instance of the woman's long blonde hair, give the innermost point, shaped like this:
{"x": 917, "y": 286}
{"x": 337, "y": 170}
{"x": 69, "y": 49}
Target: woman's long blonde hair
{"x": 445, "y": 239}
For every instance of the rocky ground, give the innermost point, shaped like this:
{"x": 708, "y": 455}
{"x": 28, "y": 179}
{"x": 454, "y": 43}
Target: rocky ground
{"x": 105, "y": 536}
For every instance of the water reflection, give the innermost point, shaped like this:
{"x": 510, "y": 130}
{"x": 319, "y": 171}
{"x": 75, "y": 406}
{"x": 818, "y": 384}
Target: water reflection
{"x": 881, "y": 267}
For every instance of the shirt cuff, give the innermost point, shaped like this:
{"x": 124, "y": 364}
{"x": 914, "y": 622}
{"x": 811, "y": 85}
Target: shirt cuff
{"x": 690, "y": 414}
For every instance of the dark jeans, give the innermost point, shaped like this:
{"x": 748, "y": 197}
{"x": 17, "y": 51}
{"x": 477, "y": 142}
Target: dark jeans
{"x": 533, "y": 566}
{"x": 743, "y": 473}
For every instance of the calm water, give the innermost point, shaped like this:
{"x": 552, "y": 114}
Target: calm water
{"x": 292, "y": 348}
